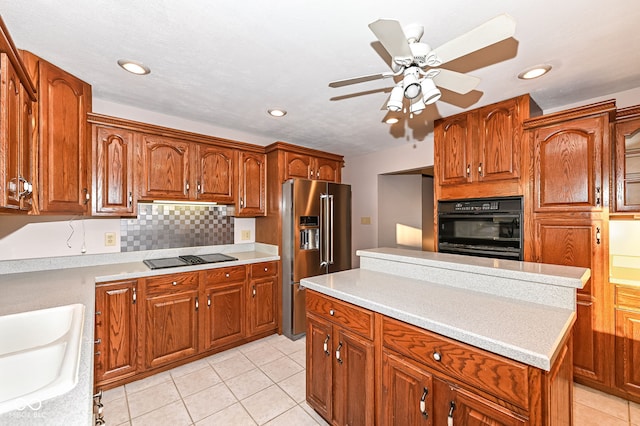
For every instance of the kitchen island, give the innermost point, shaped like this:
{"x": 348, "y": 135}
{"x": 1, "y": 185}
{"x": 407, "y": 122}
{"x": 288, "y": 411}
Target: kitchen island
{"x": 420, "y": 335}
{"x": 33, "y": 284}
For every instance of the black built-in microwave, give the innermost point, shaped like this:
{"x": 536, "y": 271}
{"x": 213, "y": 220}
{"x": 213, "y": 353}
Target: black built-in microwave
{"x": 487, "y": 227}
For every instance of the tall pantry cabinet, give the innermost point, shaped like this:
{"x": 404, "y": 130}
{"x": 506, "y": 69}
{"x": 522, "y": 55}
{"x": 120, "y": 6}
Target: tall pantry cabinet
{"x": 570, "y": 161}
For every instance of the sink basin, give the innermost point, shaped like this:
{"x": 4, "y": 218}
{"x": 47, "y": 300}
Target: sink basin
{"x": 39, "y": 355}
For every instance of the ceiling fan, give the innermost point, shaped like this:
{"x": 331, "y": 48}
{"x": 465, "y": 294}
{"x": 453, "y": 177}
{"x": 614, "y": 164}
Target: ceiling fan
{"x": 418, "y": 64}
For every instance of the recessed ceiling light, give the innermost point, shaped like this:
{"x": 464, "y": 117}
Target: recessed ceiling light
{"x": 134, "y": 67}
{"x": 534, "y": 72}
{"x": 392, "y": 120}
{"x": 277, "y": 112}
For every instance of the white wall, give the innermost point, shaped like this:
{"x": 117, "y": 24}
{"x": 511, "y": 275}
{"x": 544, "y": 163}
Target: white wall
{"x": 361, "y": 172}
{"x": 400, "y": 211}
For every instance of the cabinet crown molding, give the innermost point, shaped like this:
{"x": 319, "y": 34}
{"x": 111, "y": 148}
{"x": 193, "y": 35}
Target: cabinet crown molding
{"x": 608, "y": 107}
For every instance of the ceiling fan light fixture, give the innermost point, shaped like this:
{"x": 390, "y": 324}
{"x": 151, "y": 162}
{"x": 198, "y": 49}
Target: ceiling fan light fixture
{"x": 395, "y": 100}
{"x": 277, "y": 112}
{"x": 534, "y": 72}
{"x": 417, "y": 106}
{"x": 134, "y": 67}
{"x": 430, "y": 93}
{"x": 411, "y": 84}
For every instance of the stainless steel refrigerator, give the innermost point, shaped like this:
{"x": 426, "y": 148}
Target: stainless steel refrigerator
{"x": 316, "y": 239}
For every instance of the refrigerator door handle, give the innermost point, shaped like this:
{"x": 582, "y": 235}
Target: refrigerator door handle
{"x": 323, "y": 230}
{"x": 330, "y": 230}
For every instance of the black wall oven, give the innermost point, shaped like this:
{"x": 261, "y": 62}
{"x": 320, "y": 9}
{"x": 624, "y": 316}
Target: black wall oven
{"x": 488, "y": 227}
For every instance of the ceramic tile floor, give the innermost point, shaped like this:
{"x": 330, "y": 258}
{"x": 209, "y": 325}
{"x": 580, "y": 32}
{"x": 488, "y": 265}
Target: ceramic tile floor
{"x": 263, "y": 383}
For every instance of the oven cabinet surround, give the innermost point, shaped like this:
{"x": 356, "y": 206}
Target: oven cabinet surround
{"x": 64, "y": 148}
{"x": 156, "y": 322}
{"x": 480, "y": 153}
{"x": 626, "y": 190}
{"x": 570, "y": 162}
{"x": 477, "y": 340}
{"x": 135, "y": 161}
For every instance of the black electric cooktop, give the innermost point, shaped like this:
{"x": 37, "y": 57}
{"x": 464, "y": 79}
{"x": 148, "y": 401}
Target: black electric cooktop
{"x": 172, "y": 262}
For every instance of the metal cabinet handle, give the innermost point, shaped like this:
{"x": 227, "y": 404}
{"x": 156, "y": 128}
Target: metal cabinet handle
{"x": 198, "y": 187}
{"x": 87, "y": 196}
{"x": 326, "y": 345}
{"x": 597, "y": 195}
{"x": 130, "y": 199}
{"x": 338, "y": 353}
{"x": 97, "y": 342}
{"x": 423, "y": 403}
{"x": 480, "y": 169}
{"x": 226, "y": 275}
{"x": 332, "y": 312}
{"x": 241, "y": 202}
{"x": 437, "y": 356}
{"x": 253, "y": 291}
{"x": 197, "y": 304}
{"x": 134, "y": 296}
{"x": 266, "y": 269}
{"x": 598, "y": 235}
{"x": 468, "y": 170}
{"x": 174, "y": 283}
{"x": 452, "y": 406}
{"x": 186, "y": 186}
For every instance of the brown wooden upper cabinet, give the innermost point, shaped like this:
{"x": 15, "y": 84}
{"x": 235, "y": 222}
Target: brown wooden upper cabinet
{"x": 214, "y": 173}
{"x": 17, "y": 139}
{"x": 113, "y": 171}
{"x": 252, "y": 184}
{"x": 627, "y": 160}
{"x": 164, "y": 168}
{"x": 479, "y": 153}
{"x": 306, "y": 166}
{"x": 570, "y": 166}
{"x": 64, "y": 141}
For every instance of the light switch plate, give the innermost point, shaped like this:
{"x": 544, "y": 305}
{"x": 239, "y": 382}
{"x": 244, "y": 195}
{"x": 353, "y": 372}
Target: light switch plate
{"x": 109, "y": 239}
{"x": 245, "y": 235}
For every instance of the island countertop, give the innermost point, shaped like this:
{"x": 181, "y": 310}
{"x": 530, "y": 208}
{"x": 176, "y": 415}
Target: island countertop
{"x": 528, "y": 331}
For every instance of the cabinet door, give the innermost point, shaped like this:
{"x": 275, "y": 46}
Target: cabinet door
{"x": 113, "y": 173}
{"x": 252, "y": 183}
{"x": 499, "y": 141}
{"x": 64, "y": 102}
{"x": 116, "y": 331}
{"x": 9, "y": 135}
{"x": 326, "y": 169}
{"x": 224, "y": 314}
{"x": 627, "y": 317}
{"x": 353, "y": 391}
{"x": 407, "y": 392}
{"x": 297, "y": 166}
{"x": 453, "y": 150}
{"x": 215, "y": 168}
{"x": 262, "y": 297}
{"x": 171, "y": 327}
{"x": 579, "y": 242}
{"x": 473, "y": 410}
{"x": 320, "y": 345}
{"x": 568, "y": 165}
{"x": 627, "y": 165}
{"x": 165, "y": 168}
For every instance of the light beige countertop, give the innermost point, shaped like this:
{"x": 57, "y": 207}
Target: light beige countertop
{"x": 436, "y": 292}
{"x": 43, "y": 283}
{"x": 624, "y": 269}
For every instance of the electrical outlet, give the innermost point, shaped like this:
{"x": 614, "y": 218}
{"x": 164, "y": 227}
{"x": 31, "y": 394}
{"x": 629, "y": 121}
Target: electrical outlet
{"x": 109, "y": 239}
{"x": 245, "y": 235}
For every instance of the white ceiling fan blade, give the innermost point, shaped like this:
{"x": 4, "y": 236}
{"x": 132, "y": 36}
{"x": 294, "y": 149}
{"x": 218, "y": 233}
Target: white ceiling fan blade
{"x": 361, "y": 79}
{"x": 497, "y": 29}
{"x": 455, "y": 81}
{"x": 392, "y": 37}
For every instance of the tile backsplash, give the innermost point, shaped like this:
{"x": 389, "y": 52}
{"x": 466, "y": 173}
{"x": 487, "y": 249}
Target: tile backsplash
{"x": 161, "y": 226}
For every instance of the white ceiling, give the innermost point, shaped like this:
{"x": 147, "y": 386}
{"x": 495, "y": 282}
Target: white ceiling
{"x": 226, "y": 62}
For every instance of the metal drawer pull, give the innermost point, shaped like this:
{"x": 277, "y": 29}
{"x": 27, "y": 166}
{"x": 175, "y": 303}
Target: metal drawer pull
{"x": 338, "y": 353}
{"x": 437, "y": 356}
{"x": 134, "y": 296}
{"x": 266, "y": 269}
{"x": 332, "y": 312}
{"x": 174, "y": 283}
{"x": 253, "y": 291}
{"x": 208, "y": 301}
{"x": 326, "y": 345}
{"x": 227, "y": 275}
{"x": 423, "y": 404}
{"x": 97, "y": 342}
{"x": 598, "y": 235}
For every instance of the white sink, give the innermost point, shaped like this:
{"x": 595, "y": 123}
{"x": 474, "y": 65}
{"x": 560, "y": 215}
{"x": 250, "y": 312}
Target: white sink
{"x": 39, "y": 355}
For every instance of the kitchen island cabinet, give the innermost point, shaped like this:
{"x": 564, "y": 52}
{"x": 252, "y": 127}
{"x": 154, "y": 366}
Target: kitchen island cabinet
{"x": 473, "y": 340}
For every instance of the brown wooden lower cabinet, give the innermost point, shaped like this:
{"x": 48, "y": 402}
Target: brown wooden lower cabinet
{"x": 116, "y": 331}
{"x": 627, "y": 318}
{"x": 151, "y": 324}
{"x": 423, "y": 378}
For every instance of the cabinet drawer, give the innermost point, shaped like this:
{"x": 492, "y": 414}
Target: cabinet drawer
{"x": 628, "y": 298}
{"x": 354, "y": 318}
{"x": 172, "y": 283}
{"x": 264, "y": 269}
{"x": 496, "y": 375}
{"x": 222, "y": 275}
